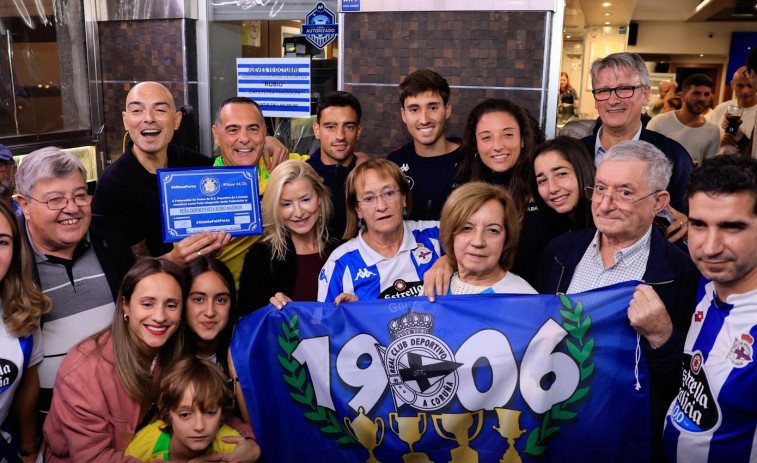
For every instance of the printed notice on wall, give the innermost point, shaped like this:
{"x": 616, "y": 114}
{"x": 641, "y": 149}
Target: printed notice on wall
{"x": 281, "y": 86}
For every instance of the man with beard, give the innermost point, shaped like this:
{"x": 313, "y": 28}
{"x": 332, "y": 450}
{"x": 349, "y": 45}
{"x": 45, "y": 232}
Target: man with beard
{"x": 714, "y": 415}
{"x": 338, "y": 128}
{"x": 687, "y": 125}
{"x": 7, "y": 179}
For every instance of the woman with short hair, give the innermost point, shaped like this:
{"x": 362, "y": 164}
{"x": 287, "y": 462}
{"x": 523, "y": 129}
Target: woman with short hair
{"x": 479, "y": 228}
{"x": 386, "y": 256}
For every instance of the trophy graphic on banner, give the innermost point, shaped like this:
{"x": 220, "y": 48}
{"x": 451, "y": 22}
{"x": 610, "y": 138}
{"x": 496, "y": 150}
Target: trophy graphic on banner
{"x": 366, "y": 431}
{"x": 459, "y": 424}
{"x": 410, "y": 429}
{"x": 509, "y": 428}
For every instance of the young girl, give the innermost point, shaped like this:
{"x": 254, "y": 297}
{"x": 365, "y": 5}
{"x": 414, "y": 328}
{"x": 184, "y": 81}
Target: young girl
{"x": 210, "y": 310}
{"x": 194, "y": 399}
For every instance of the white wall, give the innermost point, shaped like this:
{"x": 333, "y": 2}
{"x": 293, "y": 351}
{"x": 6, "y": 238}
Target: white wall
{"x": 673, "y": 38}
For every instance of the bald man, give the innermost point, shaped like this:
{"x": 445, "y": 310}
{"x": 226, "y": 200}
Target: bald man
{"x": 744, "y": 96}
{"x": 127, "y": 191}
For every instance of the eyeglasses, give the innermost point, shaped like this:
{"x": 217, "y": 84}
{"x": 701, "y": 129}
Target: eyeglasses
{"x": 57, "y": 204}
{"x": 372, "y": 200}
{"x": 623, "y": 92}
{"x": 598, "y": 193}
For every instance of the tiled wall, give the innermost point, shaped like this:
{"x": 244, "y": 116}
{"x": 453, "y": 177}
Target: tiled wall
{"x": 483, "y": 54}
{"x": 135, "y": 51}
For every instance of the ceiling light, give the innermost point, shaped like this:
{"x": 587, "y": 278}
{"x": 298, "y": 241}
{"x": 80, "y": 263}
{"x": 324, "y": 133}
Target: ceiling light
{"x": 607, "y": 23}
{"x": 606, "y": 4}
{"x": 567, "y": 36}
{"x": 607, "y": 14}
{"x": 701, "y": 56}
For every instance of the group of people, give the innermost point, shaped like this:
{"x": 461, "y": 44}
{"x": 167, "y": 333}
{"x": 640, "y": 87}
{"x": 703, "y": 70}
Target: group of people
{"x": 131, "y": 360}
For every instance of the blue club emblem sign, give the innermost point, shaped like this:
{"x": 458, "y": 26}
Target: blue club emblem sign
{"x": 320, "y": 26}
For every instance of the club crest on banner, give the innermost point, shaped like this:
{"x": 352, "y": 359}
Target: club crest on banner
{"x": 508, "y": 378}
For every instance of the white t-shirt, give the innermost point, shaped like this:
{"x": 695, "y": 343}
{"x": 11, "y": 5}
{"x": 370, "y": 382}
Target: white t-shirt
{"x": 509, "y": 284}
{"x": 12, "y": 366}
{"x": 701, "y": 142}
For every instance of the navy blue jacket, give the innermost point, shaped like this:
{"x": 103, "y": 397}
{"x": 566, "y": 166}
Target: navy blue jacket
{"x": 682, "y": 164}
{"x": 675, "y": 279}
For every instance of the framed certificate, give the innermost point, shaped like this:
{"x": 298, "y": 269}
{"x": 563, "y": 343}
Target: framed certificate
{"x": 209, "y": 199}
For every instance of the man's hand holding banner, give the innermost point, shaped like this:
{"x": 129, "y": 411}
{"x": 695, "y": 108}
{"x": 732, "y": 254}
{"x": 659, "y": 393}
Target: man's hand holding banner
{"x": 486, "y": 378}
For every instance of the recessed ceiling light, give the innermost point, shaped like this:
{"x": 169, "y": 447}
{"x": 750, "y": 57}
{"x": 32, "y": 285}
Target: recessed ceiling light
{"x": 607, "y": 23}
{"x": 606, "y": 4}
{"x": 607, "y": 14}
{"x": 567, "y": 36}
{"x": 701, "y": 56}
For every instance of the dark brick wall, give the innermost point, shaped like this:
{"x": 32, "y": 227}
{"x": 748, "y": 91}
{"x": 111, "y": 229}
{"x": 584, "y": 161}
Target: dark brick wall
{"x": 485, "y": 50}
{"x": 135, "y": 51}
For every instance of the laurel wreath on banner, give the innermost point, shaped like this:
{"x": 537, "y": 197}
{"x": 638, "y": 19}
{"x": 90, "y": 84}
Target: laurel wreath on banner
{"x": 580, "y": 349}
{"x": 301, "y": 390}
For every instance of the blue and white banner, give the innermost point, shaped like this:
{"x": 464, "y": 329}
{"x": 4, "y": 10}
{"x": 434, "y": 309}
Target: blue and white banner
{"x": 485, "y": 378}
{"x": 281, "y": 86}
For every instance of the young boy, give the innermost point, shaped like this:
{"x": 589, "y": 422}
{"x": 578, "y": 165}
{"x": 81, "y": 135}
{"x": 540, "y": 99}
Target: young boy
{"x": 194, "y": 397}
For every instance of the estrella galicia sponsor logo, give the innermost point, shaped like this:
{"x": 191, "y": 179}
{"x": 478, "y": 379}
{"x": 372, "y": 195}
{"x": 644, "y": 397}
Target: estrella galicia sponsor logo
{"x": 695, "y": 408}
{"x": 8, "y": 374}
{"x": 320, "y": 26}
{"x": 421, "y": 368}
{"x": 363, "y": 273}
{"x": 402, "y": 288}
{"x": 209, "y": 186}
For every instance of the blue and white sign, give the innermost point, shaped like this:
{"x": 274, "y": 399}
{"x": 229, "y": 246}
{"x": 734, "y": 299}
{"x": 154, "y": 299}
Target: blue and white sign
{"x": 320, "y": 26}
{"x": 350, "y": 5}
{"x": 281, "y": 86}
{"x": 199, "y": 200}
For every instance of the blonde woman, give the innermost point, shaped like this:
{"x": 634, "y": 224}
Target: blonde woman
{"x": 20, "y": 338}
{"x": 285, "y": 264}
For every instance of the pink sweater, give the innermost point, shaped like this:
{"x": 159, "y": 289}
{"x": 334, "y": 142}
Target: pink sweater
{"x": 92, "y": 418}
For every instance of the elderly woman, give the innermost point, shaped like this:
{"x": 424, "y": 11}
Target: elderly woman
{"x": 479, "y": 226}
{"x": 385, "y": 256}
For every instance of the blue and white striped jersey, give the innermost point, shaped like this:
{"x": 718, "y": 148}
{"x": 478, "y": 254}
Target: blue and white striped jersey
{"x": 714, "y": 417}
{"x": 356, "y": 268}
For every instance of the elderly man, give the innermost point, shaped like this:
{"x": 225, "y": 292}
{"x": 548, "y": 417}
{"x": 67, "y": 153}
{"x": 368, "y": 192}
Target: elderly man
{"x": 628, "y": 191}
{"x": 621, "y": 89}
{"x": 745, "y": 97}
{"x": 687, "y": 125}
{"x": 80, "y": 258}
{"x": 714, "y": 416}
